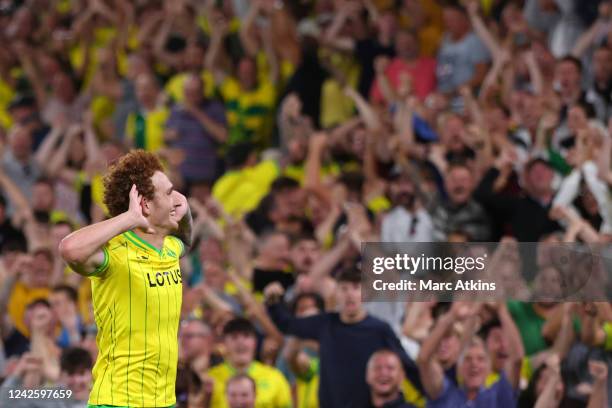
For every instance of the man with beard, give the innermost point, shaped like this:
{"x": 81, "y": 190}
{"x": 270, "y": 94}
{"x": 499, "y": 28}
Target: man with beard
{"x": 460, "y": 212}
{"x": 407, "y": 221}
{"x": 305, "y": 252}
{"x": 384, "y": 376}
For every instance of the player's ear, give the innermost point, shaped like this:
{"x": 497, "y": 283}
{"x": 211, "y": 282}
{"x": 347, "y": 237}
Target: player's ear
{"x": 146, "y": 206}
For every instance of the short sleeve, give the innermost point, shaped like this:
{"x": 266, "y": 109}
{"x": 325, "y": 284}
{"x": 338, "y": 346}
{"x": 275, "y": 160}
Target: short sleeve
{"x": 103, "y": 267}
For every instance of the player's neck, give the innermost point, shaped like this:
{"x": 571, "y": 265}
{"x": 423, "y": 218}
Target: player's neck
{"x": 156, "y": 239}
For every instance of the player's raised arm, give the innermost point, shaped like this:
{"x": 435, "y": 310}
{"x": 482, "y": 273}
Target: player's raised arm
{"x": 82, "y": 249}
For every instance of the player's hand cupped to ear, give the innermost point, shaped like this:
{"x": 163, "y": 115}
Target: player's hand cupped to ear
{"x": 136, "y": 211}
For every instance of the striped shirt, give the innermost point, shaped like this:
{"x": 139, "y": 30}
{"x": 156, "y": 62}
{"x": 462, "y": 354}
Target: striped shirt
{"x": 200, "y": 147}
{"x": 249, "y": 112}
{"x": 137, "y": 295}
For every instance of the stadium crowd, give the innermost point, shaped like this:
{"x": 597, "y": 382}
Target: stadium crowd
{"x": 299, "y": 130}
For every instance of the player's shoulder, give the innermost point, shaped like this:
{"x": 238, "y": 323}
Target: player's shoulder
{"x": 174, "y": 246}
{"x": 116, "y": 242}
{"x": 116, "y": 246}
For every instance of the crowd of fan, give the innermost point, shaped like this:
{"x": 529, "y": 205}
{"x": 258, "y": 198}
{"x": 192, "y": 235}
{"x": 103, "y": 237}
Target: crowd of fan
{"x": 299, "y": 130}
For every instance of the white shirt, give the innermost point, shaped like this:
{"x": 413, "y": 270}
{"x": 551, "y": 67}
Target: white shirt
{"x": 401, "y": 225}
{"x": 570, "y": 188}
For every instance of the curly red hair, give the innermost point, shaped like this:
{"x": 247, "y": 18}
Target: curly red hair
{"x": 136, "y": 167}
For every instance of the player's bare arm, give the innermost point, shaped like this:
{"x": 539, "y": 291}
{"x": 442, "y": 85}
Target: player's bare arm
{"x": 82, "y": 249}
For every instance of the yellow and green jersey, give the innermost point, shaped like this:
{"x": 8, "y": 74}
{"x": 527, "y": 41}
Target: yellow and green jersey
{"x": 137, "y": 295}
{"x": 273, "y": 390}
{"x": 307, "y": 386}
{"x": 240, "y": 191}
{"x": 607, "y": 328}
{"x": 6, "y": 95}
{"x": 146, "y": 129}
{"x": 249, "y": 112}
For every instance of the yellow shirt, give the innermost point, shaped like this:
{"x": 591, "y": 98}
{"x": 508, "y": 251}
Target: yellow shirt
{"x": 379, "y": 204}
{"x": 97, "y": 190}
{"x": 63, "y": 6}
{"x": 6, "y": 94}
{"x": 249, "y": 112}
{"x": 336, "y": 107}
{"x": 307, "y": 386}
{"x": 85, "y": 301}
{"x": 146, "y": 130}
{"x": 239, "y": 191}
{"x": 298, "y": 172}
{"x": 202, "y": 23}
{"x": 137, "y": 295}
{"x": 102, "y": 108}
{"x": 412, "y": 395}
{"x": 272, "y": 388}
{"x": 21, "y": 297}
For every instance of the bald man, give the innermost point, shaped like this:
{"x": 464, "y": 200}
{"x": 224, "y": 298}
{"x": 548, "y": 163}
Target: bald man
{"x": 384, "y": 375}
{"x": 240, "y": 391}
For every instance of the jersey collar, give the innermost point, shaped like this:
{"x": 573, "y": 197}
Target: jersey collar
{"x": 140, "y": 242}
